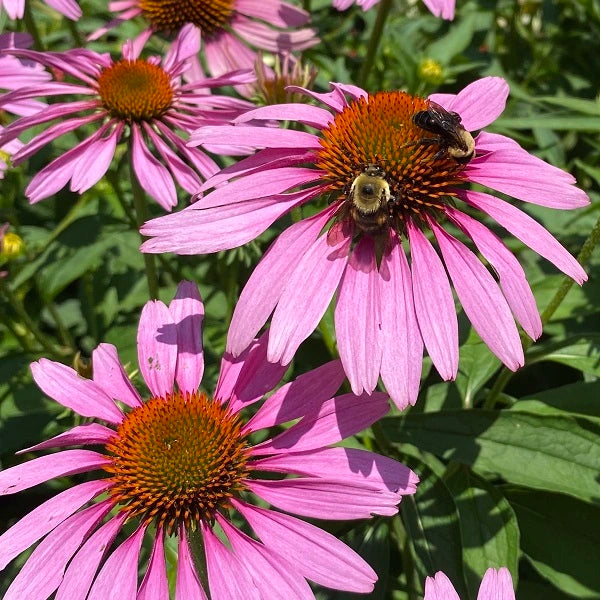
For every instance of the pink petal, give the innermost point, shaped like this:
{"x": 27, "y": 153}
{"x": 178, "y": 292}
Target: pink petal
{"x": 155, "y": 585}
{"x": 42, "y": 573}
{"x": 276, "y": 13}
{"x": 274, "y": 577}
{"x": 227, "y": 575}
{"x": 117, "y": 579}
{"x": 439, "y": 588}
{"x": 265, "y": 286}
{"x": 441, "y": 8}
{"x": 93, "y": 433}
{"x": 157, "y": 348}
{"x": 225, "y": 53}
{"x": 186, "y": 45}
{"x": 43, "y": 519}
{"x": 526, "y": 229}
{"x": 337, "y": 419}
{"x": 110, "y": 376}
{"x": 326, "y": 499}
{"x": 316, "y": 554}
{"x": 304, "y": 113}
{"x": 263, "y": 36}
{"x": 188, "y": 585}
{"x": 434, "y": 305}
{"x": 358, "y": 318}
{"x": 44, "y": 468}
{"x": 496, "y": 585}
{"x": 300, "y": 397}
{"x": 187, "y": 311}
{"x": 400, "y": 336}
{"x": 306, "y": 296}
{"x": 69, "y": 8}
{"x": 479, "y": 104}
{"x": 347, "y": 464}
{"x": 220, "y": 228}
{"x": 510, "y": 273}
{"x": 82, "y": 569}
{"x": 481, "y": 299}
{"x": 153, "y": 177}
{"x": 83, "y": 396}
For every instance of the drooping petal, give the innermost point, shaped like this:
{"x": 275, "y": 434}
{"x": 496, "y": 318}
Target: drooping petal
{"x": 300, "y": 397}
{"x": 188, "y": 586}
{"x": 441, "y": 8}
{"x": 110, "y": 376}
{"x": 273, "y": 576}
{"x": 280, "y": 14}
{"x": 510, "y": 273}
{"x": 528, "y": 230}
{"x": 439, "y": 587}
{"x": 358, "y": 318}
{"x": 81, "y": 570}
{"x": 92, "y": 433}
{"x": 337, "y": 419}
{"x": 401, "y": 341}
{"x": 481, "y": 299}
{"x": 157, "y": 348}
{"x": 434, "y": 305}
{"x": 44, "y": 518}
{"x": 83, "y": 396}
{"x": 117, "y": 579}
{"x": 304, "y": 113}
{"x": 496, "y": 585}
{"x": 306, "y": 297}
{"x": 187, "y": 311}
{"x": 316, "y": 554}
{"x": 44, "y": 468}
{"x": 265, "y": 286}
{"x": 42, "y": 573}
{"x": 155, "y": 585}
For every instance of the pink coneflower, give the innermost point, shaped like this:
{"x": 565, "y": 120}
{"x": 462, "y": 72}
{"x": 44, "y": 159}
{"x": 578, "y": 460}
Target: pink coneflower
{"x": 232, "y": 30}
{"x": 184, "y": 461}
{"x": 440, "y": 8}
{"x": 495, "y": 585}
{"x": 6, "y": 151}
{"x": 15, "y": 9}
{"x": 386, "y": 309}
{"x": 143, "y": 100}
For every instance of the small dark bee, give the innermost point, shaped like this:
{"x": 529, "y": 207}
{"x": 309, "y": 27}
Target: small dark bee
{"x": 453, "y": 139}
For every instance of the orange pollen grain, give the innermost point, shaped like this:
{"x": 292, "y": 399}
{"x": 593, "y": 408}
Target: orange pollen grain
{"x": 135, "y": 90}
{"x": 210, "y": 16}
{"x": 379, "y": 130}
{"x": 177, "y": 460}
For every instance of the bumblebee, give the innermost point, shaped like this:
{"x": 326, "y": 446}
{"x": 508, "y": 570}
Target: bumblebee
{"x": 452, "y": 138}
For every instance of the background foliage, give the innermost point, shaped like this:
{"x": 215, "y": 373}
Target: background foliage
{"x": 510, "y": 465}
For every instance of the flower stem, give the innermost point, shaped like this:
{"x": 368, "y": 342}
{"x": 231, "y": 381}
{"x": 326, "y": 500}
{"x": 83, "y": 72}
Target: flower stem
{"x": 382, "y": 14}
{"x": 77, "y": 38}
{"x": 199, "y": 556}
{"x": 32, "y": 27}
{"x": 583, "y": 257}
{"x": 141, "y": 214}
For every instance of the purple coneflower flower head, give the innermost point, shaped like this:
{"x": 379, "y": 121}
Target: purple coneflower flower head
{"x": 232, "y": 30}
{"x": 183, "y": 460}
{"x": 495, "y": 585}
{"x": 15, "y": 9}
{"x": 143, "y": 100}
{"x": 389, "y": 181}
{"x": 440, "y": 8}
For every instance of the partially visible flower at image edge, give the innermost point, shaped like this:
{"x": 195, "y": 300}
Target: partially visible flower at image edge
{"x": 387, "y": 310}
{"x": 15, "y": 9}
{"x": 495, "y": 585}
{"x": 184, "y": 461}
{"x": 232, "y": 30}
{"x": 439, "y": 8}
{"x": 143, "y": 100}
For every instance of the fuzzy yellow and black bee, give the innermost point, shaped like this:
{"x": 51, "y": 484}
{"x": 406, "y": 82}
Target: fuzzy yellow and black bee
{"x": 452, "y": 138}
{"x": 367, "y": 201}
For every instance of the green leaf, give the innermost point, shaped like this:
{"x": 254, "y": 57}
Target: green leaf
{"x": 549, "y": 121}
{"x": 561, "y": 539}
{"x": 583, "y": 355}
{"x": 549, "y": 452}
{"x": 489, "y": 530}
{"x": 476, "y": 365}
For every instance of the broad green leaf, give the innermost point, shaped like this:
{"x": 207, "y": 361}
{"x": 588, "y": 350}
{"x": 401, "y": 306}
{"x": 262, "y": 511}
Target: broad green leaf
{"x": 489, "y": 530}
{"x": 561, "y": 539}
{"x": 548, "y": 452}
{"x": 583, "y": 355}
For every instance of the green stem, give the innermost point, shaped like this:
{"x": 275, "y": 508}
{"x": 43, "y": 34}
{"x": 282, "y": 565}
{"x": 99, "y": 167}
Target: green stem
{"x": 382, "y": 14}
{"x": 23, "y": 341}
{"x": 583, "y": 257}
{"x": 327, "y": 338}
{"x": 65, "y": 334}
{"x": 79, "y": 41}
{"x": 32, "y": 27}
{"x": 199, "y": 556}
{"x": 141, "y": 213}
